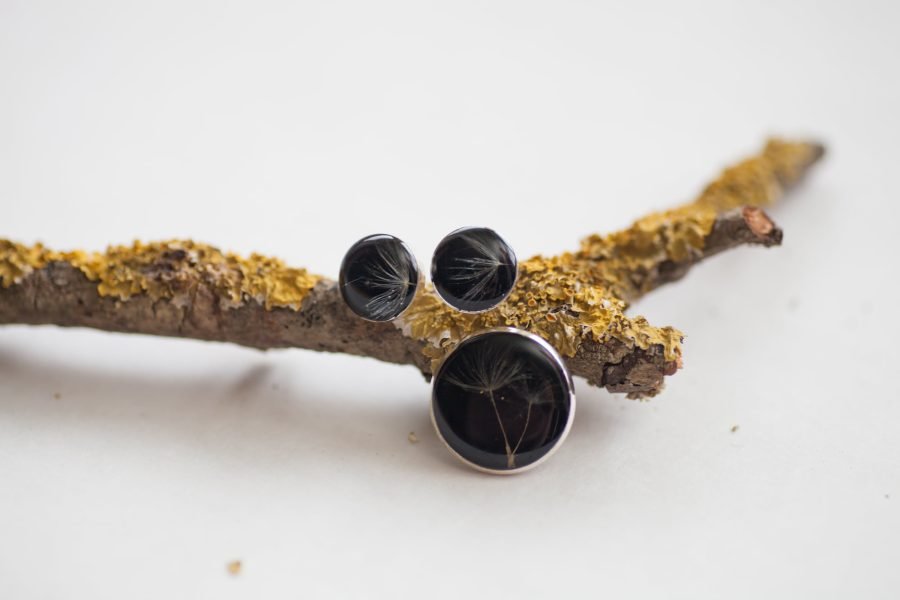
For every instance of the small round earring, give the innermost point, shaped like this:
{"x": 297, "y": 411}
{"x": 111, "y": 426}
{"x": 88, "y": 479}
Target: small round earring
{"x": 379, "y": 277}
{"x": 503, "y": 401}
{"x": 473, "y": 269}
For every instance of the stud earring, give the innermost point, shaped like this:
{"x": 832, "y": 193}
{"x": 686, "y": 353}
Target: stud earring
{"x": 379, "y": 277}
{"x": 502, "y": 401}
{"x": 473, "y": 269}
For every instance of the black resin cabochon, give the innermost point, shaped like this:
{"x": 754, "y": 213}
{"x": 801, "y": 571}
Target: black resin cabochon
{"x": 378, "y": 277}
{"x": 473, "y": 269}
{"x": 502, "y": 400}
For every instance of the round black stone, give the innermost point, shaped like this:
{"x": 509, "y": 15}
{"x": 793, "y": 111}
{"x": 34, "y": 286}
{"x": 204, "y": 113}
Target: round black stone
{"x": 502, "y": 400}
{"x": 473, "y": 269}
{"x": 379, "y": 277}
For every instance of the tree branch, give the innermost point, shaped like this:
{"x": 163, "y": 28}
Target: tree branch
{"x": 575, "y": 301}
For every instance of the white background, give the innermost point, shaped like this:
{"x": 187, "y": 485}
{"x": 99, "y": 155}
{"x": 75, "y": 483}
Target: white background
{"x": 295, "y": 128}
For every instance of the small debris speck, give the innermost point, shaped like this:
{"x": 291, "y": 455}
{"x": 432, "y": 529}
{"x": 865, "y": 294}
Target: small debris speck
{"x": 734, "y": 428}
{"x": 57, "y": 395}
{"x": 413, "y": 439}
{"x": 234, "y": 567}
{"x": 887, "y": 496}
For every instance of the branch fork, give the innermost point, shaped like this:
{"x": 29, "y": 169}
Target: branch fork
{"x": 577, "y": 301}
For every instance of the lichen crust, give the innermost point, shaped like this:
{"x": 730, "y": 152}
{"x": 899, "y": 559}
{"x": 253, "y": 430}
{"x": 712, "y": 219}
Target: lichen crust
{"x": 170, "y": 269}
{"x": 572, "y": 297}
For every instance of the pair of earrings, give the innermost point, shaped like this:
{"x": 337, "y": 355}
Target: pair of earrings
{"x": 502, "y": 401}
{"x": 473, "y": 269}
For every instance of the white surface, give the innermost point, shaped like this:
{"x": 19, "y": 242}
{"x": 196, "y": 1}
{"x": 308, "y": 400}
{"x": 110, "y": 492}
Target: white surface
{"x": 293, "y": 129}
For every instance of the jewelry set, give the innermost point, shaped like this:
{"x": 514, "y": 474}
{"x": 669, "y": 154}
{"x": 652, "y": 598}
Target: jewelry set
{"x": 502, "y": 400}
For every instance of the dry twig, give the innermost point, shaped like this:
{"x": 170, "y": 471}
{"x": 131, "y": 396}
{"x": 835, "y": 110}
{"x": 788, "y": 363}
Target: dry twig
{"x": 577, "y": 300}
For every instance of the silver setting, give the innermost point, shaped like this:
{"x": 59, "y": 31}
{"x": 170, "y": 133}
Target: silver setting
{"x": 437, "y": 290}
{"x": 420, "y": 277}
{"x": 562, "y": 370}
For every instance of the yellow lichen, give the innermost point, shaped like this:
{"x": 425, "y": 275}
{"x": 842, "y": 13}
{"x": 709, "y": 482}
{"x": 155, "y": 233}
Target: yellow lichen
{"x": 568, "y": 298}
{"x": 17, "y": 261}
{"x": 679, "y": 234}
{"x": 234, "y": 567}
{"x": 556, "y": 298}
{"x": 565, "y": 299}
{"x": 171, "y": 269}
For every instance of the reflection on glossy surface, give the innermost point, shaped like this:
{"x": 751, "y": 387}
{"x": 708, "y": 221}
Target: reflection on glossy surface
{"x": 473, "y": 269}
{"x": 502, "y": 400}
{"x": 378, "y": 277}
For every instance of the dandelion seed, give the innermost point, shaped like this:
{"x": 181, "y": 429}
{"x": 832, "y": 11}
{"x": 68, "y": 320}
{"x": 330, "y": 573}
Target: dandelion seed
{"x": 509, "y": 375}
{"x": 379, "y": 277}
{"x": 473, "y": 269}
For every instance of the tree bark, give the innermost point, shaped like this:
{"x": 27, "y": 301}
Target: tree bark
{"x": 178, "y": 292}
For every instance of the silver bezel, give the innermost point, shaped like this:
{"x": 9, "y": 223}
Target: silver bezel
{"x": 420, "y": 279}
{"x": 499, "y": 302}
{"x": 563, "y": 370}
